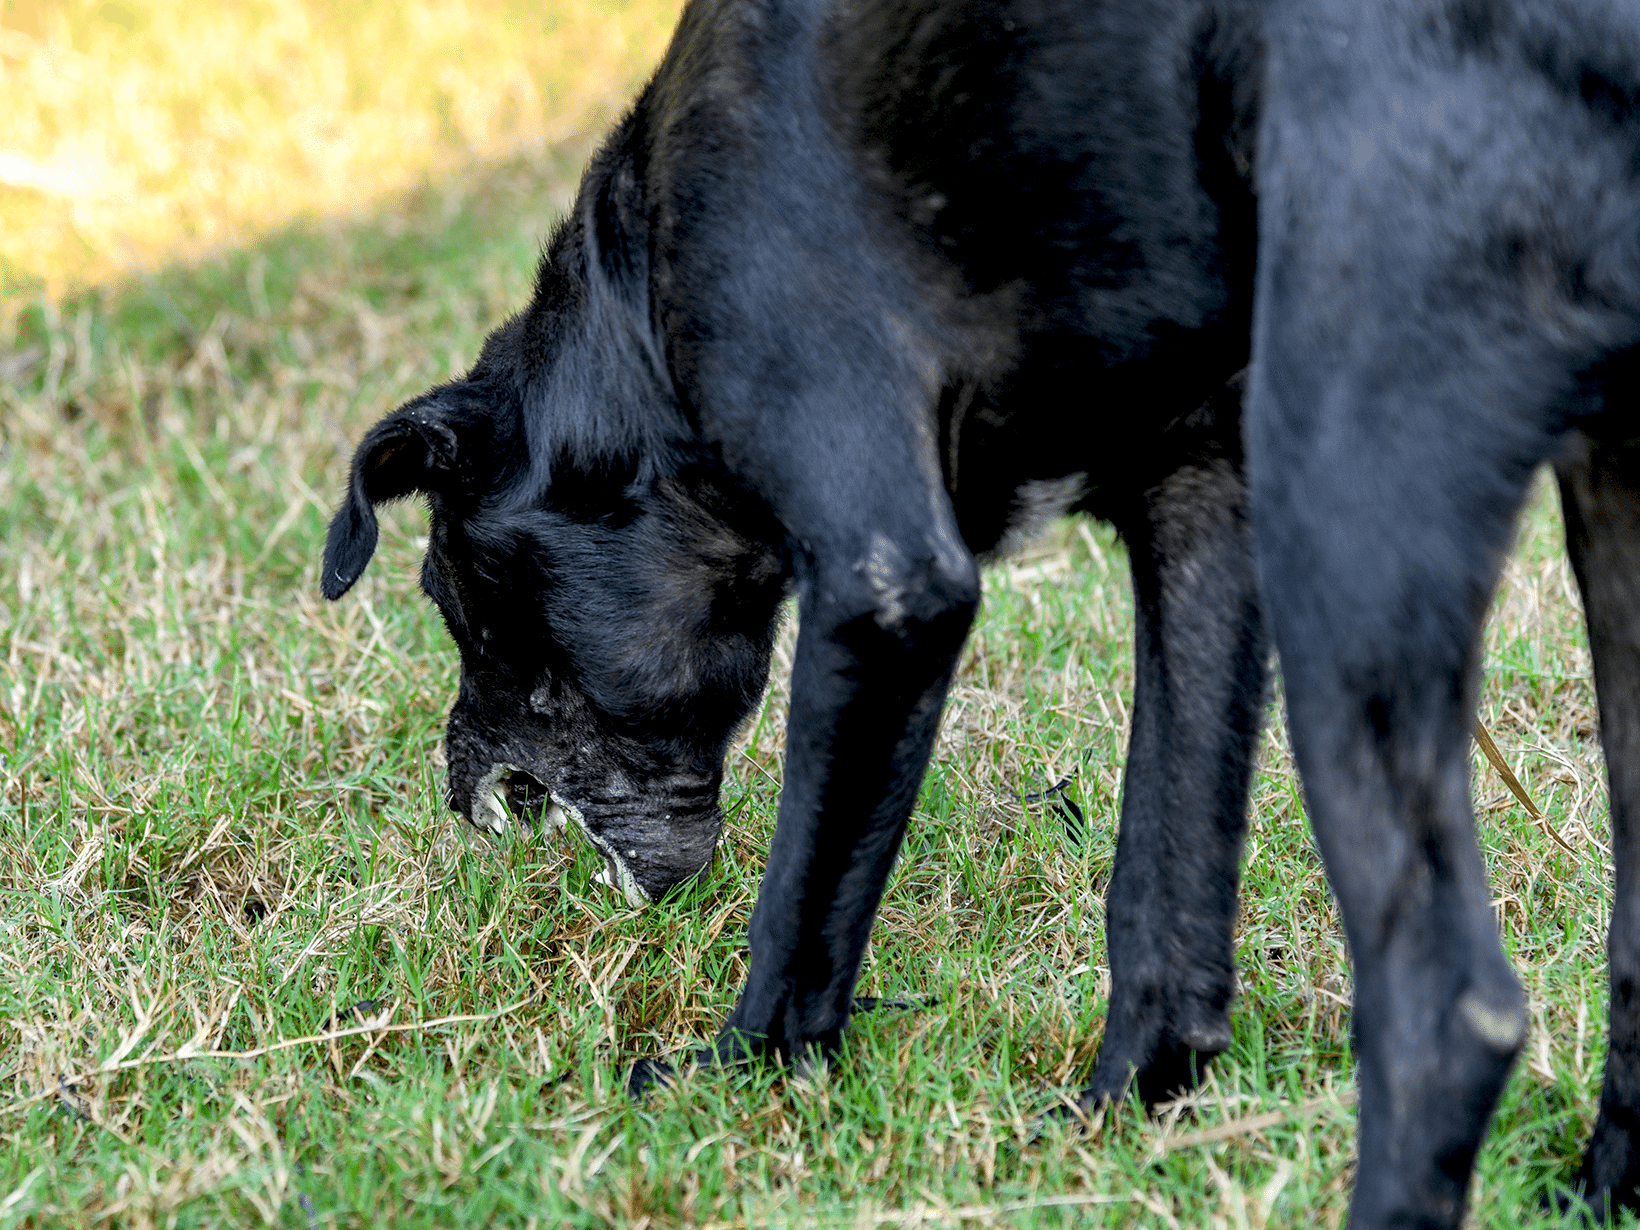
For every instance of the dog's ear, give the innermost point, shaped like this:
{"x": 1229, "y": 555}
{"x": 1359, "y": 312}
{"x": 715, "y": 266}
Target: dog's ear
{"x": 409, "y": 450}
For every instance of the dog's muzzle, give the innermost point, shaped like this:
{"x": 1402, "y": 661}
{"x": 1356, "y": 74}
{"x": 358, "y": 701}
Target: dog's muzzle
{"x": 649, "y": 844}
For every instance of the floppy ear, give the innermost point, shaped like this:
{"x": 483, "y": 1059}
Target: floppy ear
{"x": 405, "y": 452}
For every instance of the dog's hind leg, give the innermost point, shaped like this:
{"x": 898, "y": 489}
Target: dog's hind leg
{"x": 1406, "y": 384}
{"x": 1376, "y": 576}
{"x": 1600, "y": 495}
{"x": 1198, "y": 690}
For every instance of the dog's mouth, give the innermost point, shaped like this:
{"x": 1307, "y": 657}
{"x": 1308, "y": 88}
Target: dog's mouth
{"x": 529, "y": 800}
{"x": 508, "y": 792}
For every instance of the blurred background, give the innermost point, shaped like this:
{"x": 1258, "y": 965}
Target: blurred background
{"x": 134, "y": 133}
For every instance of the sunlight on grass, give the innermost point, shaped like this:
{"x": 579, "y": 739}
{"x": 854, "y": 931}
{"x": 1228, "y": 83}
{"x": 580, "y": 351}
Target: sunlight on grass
{"x": 138, "y": 131}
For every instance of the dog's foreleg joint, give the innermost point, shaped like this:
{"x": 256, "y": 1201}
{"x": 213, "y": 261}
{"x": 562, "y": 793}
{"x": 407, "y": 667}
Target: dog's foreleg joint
{"x": 905, "y": 591}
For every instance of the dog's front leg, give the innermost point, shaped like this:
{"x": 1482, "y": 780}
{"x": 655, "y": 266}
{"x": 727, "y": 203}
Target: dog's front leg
{"x": 865, "y": 708}
{"x": 877, "y": 645}
{"x": 1199, "y": 679}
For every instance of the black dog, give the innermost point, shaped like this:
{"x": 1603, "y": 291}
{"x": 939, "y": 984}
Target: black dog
{"x": 857, "y": 291}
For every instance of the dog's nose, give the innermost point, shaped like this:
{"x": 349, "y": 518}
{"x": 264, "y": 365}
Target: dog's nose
{"x": 450, "y": 802}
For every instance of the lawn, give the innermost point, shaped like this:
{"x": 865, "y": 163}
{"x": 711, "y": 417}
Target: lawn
{"x": 254, "y": 973}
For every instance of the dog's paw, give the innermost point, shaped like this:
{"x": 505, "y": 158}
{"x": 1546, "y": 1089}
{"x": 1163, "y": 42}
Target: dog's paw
{"x": 648, "y": 1075}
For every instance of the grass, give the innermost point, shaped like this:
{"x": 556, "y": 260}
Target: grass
{"x": 221, "y": 827}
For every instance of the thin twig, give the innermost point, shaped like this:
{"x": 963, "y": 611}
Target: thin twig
{"x": 1490, "y": 750}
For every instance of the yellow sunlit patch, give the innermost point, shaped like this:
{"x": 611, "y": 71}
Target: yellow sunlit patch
{"x": 133, "y": 133}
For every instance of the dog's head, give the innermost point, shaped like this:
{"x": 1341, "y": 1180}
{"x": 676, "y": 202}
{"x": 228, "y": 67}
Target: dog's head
{"x": 613, "y": 600}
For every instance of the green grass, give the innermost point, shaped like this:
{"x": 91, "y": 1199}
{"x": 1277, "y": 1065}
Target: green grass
{"x": 221, "y": 826}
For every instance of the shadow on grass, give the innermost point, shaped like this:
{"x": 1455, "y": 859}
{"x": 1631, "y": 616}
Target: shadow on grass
{"x": 425, "y": 271}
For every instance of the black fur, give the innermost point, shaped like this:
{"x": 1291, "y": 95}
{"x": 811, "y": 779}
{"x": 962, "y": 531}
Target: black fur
{"x": 858, "y": 288}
